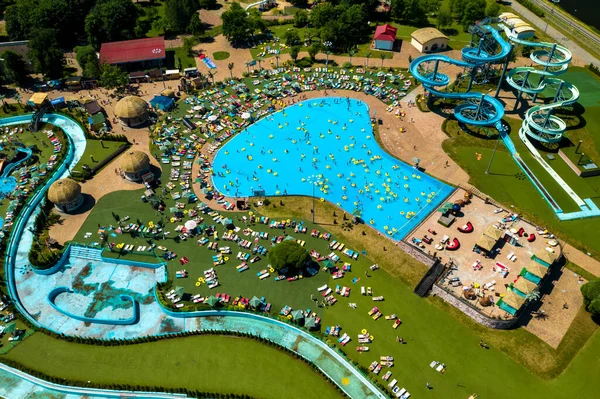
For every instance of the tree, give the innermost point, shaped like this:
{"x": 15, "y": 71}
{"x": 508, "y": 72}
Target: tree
{"x": 87, "y": 59}
{"x": 474, "y": 10}
{"x": 367, "y": 56}
{"x": 294, "y": 51}
{"x": 109, "y": 21}
{"x": 208, "y": 4}
{"x": 351, "y": 53}
{"x": 291, "y": 37}
{"x": 66, "y": 17}
{"x": 47, "y": 57}
{"x": 301, "y": 19}
{"x": 591, "y": 296}
{"x": 179, "y": 13}
{"x": 196, "y": 26}
{"x": 444, "y": 16}
{"x": 277, "y": 57}
{"x": 188, "y": 45}
{"x": 288, "y": 255}
{"x": 112, "y": 77}
{"x": 259, "y": 60}
{"x": 431, "y": 5}
{"x": 412, "y": 11}
{"x": 313, "y": 50}
{"x": 299, "y": 3}
{"x": 383, "y": 57}
{"x": 230, "y": 67}
{"x": 236, "y": 25}
{"x": 15, "y": 68}
{"x": 492, "y": 10}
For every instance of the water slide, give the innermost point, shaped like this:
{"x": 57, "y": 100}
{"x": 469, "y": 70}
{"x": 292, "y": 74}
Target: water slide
{"x": 258, "y": 3}
{"x": 539, "y": 122}
{"x": 478, "y": 109}
{"x": 10, "y": 167}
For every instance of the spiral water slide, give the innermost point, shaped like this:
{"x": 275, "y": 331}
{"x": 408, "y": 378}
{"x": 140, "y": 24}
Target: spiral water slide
{"x": 478, "y": 109}
{"x": 539, "y": 122}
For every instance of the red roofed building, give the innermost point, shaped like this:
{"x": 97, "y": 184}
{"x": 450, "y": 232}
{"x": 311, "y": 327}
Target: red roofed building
{"x": 129, "y": 51}
{"x": 385, "y": 36}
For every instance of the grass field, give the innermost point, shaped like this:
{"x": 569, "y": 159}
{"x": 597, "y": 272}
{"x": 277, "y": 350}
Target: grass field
{"x": 220, "y": 55}
{"x": 432, "y": 329}
{"x": 181, "y": 59}
{"x": 205, "y": 363}
{"x": 97, "y": 151}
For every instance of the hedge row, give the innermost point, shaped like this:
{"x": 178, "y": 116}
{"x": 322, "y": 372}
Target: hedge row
{"x": 534, "y": 8}
{"x": 595, "y": 69}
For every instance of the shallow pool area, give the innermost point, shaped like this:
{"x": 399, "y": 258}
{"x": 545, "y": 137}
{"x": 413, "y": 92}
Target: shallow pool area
{"x": 325, "y": 147}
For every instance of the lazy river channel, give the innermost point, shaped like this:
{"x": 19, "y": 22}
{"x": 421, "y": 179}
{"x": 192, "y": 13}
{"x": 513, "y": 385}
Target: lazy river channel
{"x": 325, "y": 147}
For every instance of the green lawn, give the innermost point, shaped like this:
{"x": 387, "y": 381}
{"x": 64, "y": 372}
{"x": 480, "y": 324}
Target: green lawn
{"x": 205, "y": 363}
{"x": 458, "y": 40}
{"x": 181, "y": 59}
{"x": 220, "y": 55}
{"x": 155, "y": 10}
{"x": 96, "y": 151}
{"x": 430, "y": 326}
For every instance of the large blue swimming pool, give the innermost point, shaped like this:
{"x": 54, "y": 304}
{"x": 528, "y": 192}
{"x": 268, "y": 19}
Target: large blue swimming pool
{"x": 327, "y": 145}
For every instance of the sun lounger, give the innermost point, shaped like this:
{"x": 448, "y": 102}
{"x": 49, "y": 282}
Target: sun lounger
{"x": 263, "y": 276}
{"x": 322, "y": 288}
{"x": 392, "y": 384}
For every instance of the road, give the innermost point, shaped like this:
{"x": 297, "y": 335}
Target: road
{"x": 583, "y": 55}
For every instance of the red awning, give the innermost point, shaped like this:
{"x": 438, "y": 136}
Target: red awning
{"x": 385, "y": 32}
{"x": 133, "y": 50}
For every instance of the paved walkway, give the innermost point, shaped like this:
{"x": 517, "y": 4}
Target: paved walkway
{"x": 581, "y": 56}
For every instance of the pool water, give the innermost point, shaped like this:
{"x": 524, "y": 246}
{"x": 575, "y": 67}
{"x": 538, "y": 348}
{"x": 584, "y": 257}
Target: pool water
{"x": 326, "y": 146}
{"x": 7, "y": 185}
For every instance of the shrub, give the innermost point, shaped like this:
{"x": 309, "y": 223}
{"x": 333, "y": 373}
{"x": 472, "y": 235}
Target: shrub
{"x": 534, "y": 8}
{"x": 591, "y": 296}
{"x": 288, "y": 254}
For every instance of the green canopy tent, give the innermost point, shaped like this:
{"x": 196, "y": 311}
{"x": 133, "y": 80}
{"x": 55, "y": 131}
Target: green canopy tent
{"x": 327, "y": 264}
{"x": 179, "y": 291}
{"x": 212, "y": 301}
{"x": 10, "y": 328}
{"x": 297, "y": 315}
{"x": 356, "y": 213}
{"x": 311, "y": 322}
{"x": 289, "y": 238}
{"x": 447, "y": 207}
{"x": 255, "y": 302}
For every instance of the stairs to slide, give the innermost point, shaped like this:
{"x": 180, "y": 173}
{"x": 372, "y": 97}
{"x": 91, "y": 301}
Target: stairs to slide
{"x": 92, "y": 254}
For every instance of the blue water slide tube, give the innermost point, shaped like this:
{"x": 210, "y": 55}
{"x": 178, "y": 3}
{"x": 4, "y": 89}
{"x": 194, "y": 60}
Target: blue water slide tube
{"x": 478, "y": 109}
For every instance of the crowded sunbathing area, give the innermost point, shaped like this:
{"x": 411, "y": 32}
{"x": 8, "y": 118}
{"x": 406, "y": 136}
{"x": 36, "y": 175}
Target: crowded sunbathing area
{"x": 495, "y": 258}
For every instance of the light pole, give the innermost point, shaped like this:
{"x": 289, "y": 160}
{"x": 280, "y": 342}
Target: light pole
{"x": 327, "y": 45}
{"x": 313, "y": 180}
{"x": 487, "y": 172}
